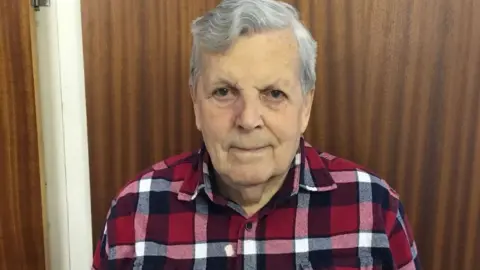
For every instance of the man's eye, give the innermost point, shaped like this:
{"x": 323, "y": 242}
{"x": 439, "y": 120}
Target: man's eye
{"x": 221, "y": 92}
{"x": 275, "y": 95}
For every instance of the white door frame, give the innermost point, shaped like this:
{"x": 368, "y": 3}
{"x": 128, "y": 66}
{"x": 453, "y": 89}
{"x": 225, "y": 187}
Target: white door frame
{"x": 63, "y": 126}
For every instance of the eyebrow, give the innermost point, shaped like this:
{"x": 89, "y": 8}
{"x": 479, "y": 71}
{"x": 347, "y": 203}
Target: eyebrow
{"x": 270, "y": 86}
{"x": 225, "y": 81}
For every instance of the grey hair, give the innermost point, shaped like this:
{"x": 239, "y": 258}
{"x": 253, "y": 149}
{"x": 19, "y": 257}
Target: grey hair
{"x": 217, "y": 30}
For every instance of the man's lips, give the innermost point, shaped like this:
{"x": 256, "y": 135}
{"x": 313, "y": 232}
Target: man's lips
{"x": 249, "y": 149}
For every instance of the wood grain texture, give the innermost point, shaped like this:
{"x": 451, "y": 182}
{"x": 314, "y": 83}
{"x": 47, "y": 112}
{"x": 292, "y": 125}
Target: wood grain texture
{"x": 398, "y": 91}
{"x": 21, "y": 218}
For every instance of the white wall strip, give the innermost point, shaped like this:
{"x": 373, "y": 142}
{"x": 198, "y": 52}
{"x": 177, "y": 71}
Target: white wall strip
{"x": 64, "y": 131}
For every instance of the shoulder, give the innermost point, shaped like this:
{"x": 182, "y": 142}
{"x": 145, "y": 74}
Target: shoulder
{"x": 364, "y": 202}
{"x": 346, "y": 172}
{"x": 163, "y": 179}
{"x": 355, "y": 183}
{"x": 374, "y": 201}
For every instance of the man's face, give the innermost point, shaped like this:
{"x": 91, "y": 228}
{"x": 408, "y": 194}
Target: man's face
{"x": 250, "y": 108}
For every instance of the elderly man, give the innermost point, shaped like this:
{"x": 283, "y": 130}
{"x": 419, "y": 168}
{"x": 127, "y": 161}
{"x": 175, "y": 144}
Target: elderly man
{"x": 256, "y": 195}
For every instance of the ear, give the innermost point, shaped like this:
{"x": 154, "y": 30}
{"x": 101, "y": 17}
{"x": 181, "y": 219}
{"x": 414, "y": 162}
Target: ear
{"x": 307, "y": 109}
{"x": 193, "y": 94}
{"x": 196, "y": 111}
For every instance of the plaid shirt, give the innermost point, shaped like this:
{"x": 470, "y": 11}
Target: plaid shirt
{"x": 329, "y": 214}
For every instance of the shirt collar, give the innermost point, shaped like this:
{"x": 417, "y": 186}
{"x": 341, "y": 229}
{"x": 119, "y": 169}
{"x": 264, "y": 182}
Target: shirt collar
{"x": 307, "y": 172}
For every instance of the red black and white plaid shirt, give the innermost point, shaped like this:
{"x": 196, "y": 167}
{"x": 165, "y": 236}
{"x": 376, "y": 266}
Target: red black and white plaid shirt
{"x": 329, "y": 214}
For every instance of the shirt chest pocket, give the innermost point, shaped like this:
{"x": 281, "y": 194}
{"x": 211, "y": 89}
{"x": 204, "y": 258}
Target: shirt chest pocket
{"x": 346, "y": 263}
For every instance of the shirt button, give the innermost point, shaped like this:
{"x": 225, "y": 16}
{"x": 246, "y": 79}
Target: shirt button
{"x": 229, "y": 250}
{"x": 248, "y": 226}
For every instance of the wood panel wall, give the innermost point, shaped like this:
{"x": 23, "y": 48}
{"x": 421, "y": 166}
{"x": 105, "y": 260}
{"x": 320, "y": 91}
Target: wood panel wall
{"x": 21, "y": 218}
{"x": 398, "y": 91}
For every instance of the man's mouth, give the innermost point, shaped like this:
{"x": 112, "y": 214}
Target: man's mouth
{"x": 249, "y": 149}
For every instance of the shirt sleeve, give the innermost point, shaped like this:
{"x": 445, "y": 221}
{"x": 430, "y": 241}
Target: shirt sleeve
{"x": 402, "y": 244}
{"x": 100, "y": 256}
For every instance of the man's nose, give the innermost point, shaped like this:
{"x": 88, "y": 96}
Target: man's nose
{"x": 249, "y": 116}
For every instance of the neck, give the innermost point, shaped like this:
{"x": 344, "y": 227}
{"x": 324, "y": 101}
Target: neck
{"x": 251, "y": 198}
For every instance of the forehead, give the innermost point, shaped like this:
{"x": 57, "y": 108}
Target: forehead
{"x": 258, "y": 57}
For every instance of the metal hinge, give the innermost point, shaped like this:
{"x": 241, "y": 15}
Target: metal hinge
{"x": 36, "y": 4}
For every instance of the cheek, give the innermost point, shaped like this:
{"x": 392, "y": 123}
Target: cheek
{"x": 284, "y": 125}
{"x": 287, "y": 130}
{"x": 216, "y": 123}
